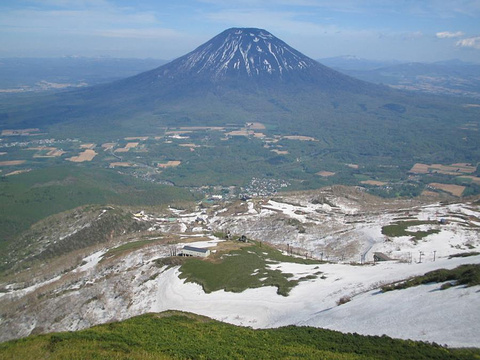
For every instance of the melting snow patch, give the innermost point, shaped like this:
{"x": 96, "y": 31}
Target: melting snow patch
{"x": 204, "y": 244}
{"x": 251, "y": 208}
{"x": 91, "y": 261}
{"x": 176, "y": 211}
{"x": 27, "y": 290}
{"x": 297, "y": 270}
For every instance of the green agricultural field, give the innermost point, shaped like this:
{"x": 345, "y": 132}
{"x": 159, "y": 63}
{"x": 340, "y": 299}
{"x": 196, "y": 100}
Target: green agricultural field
{"x": 214, "y": 159}
{"x": 175, "y": 335}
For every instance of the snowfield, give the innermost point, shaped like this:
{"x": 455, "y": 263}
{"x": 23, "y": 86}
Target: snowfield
{"x": 424, "y": 313}
{"x": 343, "y": 226}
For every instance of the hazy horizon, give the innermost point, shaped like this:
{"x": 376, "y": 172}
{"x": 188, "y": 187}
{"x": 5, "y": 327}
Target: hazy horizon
{"x": 424, "y": 31}
{"x": 393, "y": 61}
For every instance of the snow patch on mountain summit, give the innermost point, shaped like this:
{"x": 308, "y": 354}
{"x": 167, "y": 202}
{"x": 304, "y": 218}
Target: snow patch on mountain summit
{"x": 250, "y": 52}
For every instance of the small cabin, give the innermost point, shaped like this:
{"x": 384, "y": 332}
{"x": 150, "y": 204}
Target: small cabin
{"x": 194, "y": 251}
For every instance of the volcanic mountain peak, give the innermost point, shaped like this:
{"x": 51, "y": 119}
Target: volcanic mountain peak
{"x": 241, "y": 52}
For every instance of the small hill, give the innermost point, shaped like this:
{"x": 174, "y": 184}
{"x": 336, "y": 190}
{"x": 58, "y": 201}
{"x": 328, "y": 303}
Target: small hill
{"x": 35, "y": 195}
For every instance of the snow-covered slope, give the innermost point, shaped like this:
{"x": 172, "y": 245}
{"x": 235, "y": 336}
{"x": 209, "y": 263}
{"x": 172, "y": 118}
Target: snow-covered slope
{"x": 109, "y": 292}
{"x": 340, "y": 223}
{"x": 422, "y": 313}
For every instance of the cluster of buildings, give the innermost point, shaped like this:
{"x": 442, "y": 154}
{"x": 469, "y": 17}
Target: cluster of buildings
{"x": 263, "y": 187}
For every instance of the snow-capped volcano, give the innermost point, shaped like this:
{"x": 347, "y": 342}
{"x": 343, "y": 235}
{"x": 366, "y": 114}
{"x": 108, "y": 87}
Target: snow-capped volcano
{"x": 248, "y": 69}
{"x": 253, "y": 55}
{"x": 238, "y": 52}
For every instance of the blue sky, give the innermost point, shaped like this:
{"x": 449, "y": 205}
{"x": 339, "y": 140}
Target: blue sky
{"x": 407, "y": 30}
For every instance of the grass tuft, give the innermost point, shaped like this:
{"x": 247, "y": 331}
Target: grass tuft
{"x": 468, "y": 275}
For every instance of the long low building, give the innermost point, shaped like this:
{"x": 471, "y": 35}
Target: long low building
{"x": 194, "y": 251}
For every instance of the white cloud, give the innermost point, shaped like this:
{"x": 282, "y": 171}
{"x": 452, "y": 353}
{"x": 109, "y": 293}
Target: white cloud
{"x": 276, "y": 21}
{"x": 473, "y": 42}
{"x": 429, "y": 8}
{"x": 449, "y": 34}
{"x": 71, "y": 4}
{"x": 150, "y": 33}
{"x": 412, "y": 35}
{"x": 89, "y": 27}
{"x": 66, "y": 20}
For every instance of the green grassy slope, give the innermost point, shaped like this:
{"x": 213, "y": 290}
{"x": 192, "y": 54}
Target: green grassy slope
{"x": 242, "y": 269}
{"x": 174, "y": 335}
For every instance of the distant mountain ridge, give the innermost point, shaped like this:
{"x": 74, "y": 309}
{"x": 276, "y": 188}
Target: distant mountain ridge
{"x": 451, "y": 77}
{"x": 351, "y": 62}
{"x": 36, "y": 74}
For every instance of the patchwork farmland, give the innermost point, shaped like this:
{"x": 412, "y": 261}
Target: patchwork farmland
{"x": 172, "y": 154}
